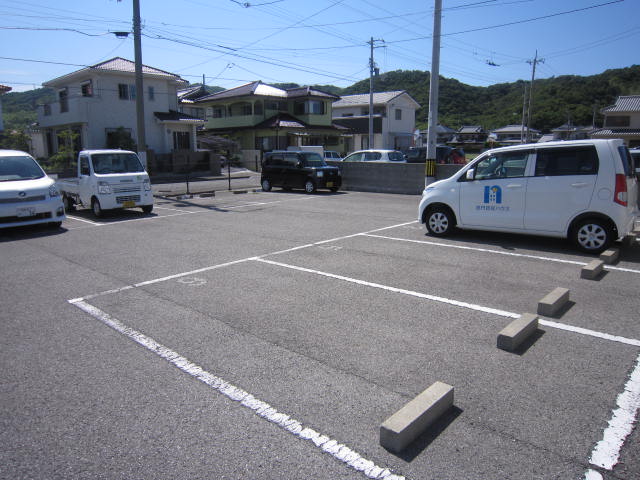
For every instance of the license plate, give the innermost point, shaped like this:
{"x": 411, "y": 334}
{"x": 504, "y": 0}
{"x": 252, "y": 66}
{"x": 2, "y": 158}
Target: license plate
{"x": 26, "y": 212}
{"x": 329, "y": 184}
{"x": 128, "y": 204}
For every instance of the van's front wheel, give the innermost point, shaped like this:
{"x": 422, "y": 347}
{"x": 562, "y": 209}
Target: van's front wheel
{"x": 592, "y": 235}
{"x": 440, "y": 221}
{"x": 97, "y": 209}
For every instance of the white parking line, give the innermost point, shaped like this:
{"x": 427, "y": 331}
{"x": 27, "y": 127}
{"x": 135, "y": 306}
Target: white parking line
{"x": 458, "y": 303}
{"x": 83, "y": 220}
{"x": 497, "y": 252}
{"x": 262, "y": 409}
{"x": 607, "y": 451}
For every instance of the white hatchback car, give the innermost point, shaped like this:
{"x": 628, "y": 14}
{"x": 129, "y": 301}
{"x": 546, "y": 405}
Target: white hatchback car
{"x": 27, "y": 195}
{"x": 584, "y": 190}
{"x": 393, "y": 156}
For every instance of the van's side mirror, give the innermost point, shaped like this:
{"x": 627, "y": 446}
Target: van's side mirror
{"x": 471, "y": 174}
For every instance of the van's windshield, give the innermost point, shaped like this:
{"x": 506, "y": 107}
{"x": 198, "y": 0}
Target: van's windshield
{"x": 312, "y": 159}
{"x": 21, "y": 167}
{"x": 106, "y": 163}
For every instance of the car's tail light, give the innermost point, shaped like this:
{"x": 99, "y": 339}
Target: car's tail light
{"x": 620, "y": 195}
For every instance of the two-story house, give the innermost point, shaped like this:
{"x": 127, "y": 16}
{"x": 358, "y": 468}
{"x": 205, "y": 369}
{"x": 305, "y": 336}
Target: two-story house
{"x": 394, "y": 119}
{"x": 621, "y": 120}
{"x": 261, "y": 118}
{"x": 98, "y": 101}
{"x": 469, "y": 137}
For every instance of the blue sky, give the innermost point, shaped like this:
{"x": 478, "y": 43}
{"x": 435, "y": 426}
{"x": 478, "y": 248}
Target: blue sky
{"x": 231, "y": 42}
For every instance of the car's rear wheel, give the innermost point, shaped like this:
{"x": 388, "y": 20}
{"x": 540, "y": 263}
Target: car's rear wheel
{"x": 266, "y": 185}
{"x": 440, "y": 221}
{"x": 592, "y": 235}
{"x": 147, "y": 208}
{"x": 309, "y": 186}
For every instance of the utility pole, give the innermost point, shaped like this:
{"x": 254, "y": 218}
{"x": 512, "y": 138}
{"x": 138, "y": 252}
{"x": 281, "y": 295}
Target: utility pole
{"x": 372, "y": 70}
{"x": 434, "y": 79}
{"x": 533, "y": 62}
{"x": 142, "y": 144}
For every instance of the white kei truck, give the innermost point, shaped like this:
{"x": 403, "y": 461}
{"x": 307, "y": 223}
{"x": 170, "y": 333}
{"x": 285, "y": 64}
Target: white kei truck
{"x": 107, "y": 180}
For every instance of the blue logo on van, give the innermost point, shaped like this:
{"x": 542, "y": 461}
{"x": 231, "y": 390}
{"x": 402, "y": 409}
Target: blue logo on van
{"x": 493, "y": 194}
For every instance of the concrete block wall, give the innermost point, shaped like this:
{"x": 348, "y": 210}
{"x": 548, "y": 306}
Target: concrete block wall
{"x": 403, "y": 178}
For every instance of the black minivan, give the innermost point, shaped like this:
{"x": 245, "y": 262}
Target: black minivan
{"x": 296, "y": 169}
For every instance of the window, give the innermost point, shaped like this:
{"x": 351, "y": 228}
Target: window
{"x": 84, "y": 166}
{"x": 47, "y": 109}
{"x": 126, "y": 92}
{"x": 617, "y": 121}
{"x": 63, "y": 98}
{"x": 257, "y": 108}
{"x": 277, "y": 105}
{"x": 398, "y": 114}
{"x": 246, "y": 109}
{"x": 372, "y": 156}
{"x": 181, "y": 141}
{"x": 87, "y": 89}
{"x": 567, "y": 161}
{"x": 217, "y": 112}
{"x": 151, "y": 92}
{"x": 502, "y": 165}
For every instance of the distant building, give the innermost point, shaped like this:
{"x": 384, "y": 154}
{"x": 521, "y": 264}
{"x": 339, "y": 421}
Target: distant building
{"x": 394, "y": 119}
{"x": 469, "y": 137}
{"x": 444, "y": 135}
{"x": 3, "y": 89}
{"x": 621, "y": 120}
{"x": 514, "y": 135}
{"x": 567, "y": 132}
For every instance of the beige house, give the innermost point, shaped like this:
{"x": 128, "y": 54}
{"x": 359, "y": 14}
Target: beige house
{"x": 394, "y": 119}
{"x": 621, "y": 120}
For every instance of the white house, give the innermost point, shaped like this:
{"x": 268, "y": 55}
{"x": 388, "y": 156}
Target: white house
{"x": 394, "y": 119}
{"x": 622, "y": 120}
{"x": 96, "y": 101}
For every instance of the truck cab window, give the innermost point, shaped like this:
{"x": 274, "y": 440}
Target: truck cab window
{"x": 84, "y": 166}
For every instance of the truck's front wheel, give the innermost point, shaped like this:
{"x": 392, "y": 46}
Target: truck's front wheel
{"x": 97, "y": 209}
{"x": 69, "y": 206}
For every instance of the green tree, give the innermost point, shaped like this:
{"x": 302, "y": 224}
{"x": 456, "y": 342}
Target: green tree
{"x": 121, "y": 138}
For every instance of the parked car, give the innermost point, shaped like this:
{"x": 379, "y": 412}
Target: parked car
{"x": 375, "y": 156}
{"x": 584, "y": 190}
{"x": 444, "y": 154}
{"x": 332, "y": 155}
{"x": 27, "y": 195}
{"x": 297, "y": 169}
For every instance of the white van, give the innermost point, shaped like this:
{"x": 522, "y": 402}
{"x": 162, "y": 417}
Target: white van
{"x": 584, "y": 190}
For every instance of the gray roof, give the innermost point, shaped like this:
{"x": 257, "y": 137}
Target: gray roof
{"x": 363, "y": 99}
{"x": 261, "y": 89}
{"x": 615, "y": 133}
{"x": 513, "y": 129}
{"x": 471, "y": 129}
{"x": 630, "y": 103}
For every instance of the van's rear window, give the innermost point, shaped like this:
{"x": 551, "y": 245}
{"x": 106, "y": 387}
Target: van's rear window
{"x": 551, "y": 162}
{"x": 627, "y": 161}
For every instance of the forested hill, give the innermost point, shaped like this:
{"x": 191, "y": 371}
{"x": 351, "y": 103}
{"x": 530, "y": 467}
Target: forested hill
{"x": 555, "y": 99}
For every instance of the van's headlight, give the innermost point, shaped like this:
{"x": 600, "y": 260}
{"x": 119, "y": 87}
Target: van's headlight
{"x": 147, "y": 185}
{"x": 53, "y": 191}
{"x": 319, "y": 173}
{"x": 104, "y": 188}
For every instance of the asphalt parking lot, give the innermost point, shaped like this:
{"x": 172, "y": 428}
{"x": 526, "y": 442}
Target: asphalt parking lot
{"x": 268, "y": 335}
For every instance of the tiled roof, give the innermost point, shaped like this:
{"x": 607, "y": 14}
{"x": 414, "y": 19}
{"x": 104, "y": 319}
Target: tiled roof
{"x": 471, "y": 129}
{"x": 512, "y": 129}
{"x": 173, "y": 116}
{"x": 308, "y": 92}
{"x": 615, "y": 132}
{"x": 261, "y": 89}
{"x": 282, "y": 120}
{"x": 363, "y": 99}
{"x": 118, "y": 64}
{"x": 630, "y": 103}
